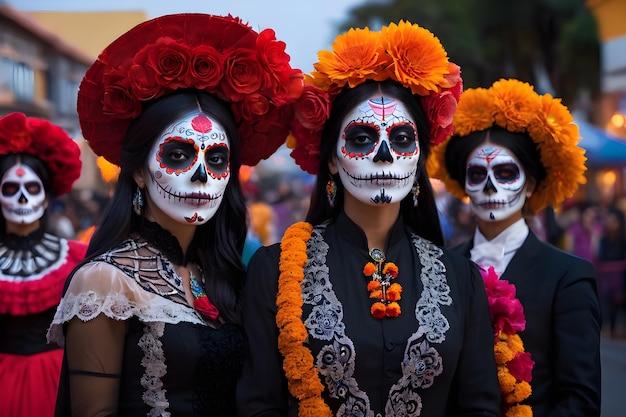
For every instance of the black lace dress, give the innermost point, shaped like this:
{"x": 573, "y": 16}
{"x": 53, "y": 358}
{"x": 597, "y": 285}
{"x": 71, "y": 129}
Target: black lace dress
{"x": 174, "y": 362}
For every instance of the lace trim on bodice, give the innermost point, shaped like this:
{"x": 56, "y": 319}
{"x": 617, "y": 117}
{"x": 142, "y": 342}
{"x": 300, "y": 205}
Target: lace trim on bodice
{"x": 154, "y": 363}
{"x": 336, "y": 360}
{"x": 101, "y": 288}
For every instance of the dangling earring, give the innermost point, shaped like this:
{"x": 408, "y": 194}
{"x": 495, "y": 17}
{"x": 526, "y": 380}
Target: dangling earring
{"x": 138, "y": 201}
{"x": 415, "y": 190}
{"x": 331, "y": 191}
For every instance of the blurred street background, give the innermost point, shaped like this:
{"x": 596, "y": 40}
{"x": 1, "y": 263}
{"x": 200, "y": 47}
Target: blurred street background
{"x": 572, "y": 49}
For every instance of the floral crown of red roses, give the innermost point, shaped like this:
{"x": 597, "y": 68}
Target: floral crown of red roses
{"x": 217, "y": 54}
{"x": 48, "y": 142}
{"x": 405, "y": 53}
{"x": 515, "y": 106}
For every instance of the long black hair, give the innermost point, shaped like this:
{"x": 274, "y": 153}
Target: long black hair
{"x": 521, "y": 144}
{"x": 424, "y": 218}
{"x": 9, "y": 160}
{"x": 219, "y": 242}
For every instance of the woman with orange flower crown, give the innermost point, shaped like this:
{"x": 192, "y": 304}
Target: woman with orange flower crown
{"x": 359, "y": 311}
{"x": 38, "y": 162}
{"x": 513, "y": 153}
{"x": 151, "y": 318}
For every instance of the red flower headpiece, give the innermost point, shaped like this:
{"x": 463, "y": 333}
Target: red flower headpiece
{"x": 405, "y": 53}
{"x": 50, "y": 143}
{"x": 218, "y": 54}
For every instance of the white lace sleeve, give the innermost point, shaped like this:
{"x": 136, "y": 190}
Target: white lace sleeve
{"x": 100, "y": 288}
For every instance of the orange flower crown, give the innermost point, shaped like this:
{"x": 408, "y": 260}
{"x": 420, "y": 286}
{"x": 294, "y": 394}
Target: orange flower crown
{"x": 403, "y": 52}
{"x": 60, "y": 154}
{"x": 515, "y": 106}
{"x": 218, "y": 54}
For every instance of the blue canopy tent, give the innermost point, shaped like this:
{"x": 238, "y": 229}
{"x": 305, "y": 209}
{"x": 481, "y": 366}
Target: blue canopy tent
{"x": 602, "y": 148}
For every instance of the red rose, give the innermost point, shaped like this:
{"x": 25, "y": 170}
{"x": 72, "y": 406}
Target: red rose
{"x": 313, "y": 107}
{"x": 143, "y": 83}
{"x": 243, "y": 74}
{"x": 15, "y": 133}
{"x": 306, "y": 154}
{"x": 272, "y": 52}
{"x": 440, "y": 108}
{"x": 251, "y": 107}
{"x": 170, "y": 62}
{"x": 119, "y": 101}
{"x": 207, "y": 67}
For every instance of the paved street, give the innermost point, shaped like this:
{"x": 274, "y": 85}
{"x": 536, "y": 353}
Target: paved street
{"x": 613, "y": 353}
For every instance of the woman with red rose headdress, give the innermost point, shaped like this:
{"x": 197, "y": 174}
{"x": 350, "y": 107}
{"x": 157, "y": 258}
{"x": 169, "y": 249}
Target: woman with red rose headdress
{"x": 151, "y": 320}
{"x": 38, "y": 162}
{"x": 372, "y": 316}
{"x": 513, "y": 153}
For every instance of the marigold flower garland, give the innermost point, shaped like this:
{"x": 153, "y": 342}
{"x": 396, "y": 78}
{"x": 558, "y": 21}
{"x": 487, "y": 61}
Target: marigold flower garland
{"x": 514, "y": 365}
{"x": 381, "y": 288}
{"x": 514, "y": 105}
{"x": 302, "y": 375}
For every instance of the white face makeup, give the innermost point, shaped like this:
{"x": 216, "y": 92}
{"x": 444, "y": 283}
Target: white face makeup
{"x": 378, "y": 151}
{"x": 189, "y": 168}
{"x": 23, "y": 197}
{"x": 495, "y": 182}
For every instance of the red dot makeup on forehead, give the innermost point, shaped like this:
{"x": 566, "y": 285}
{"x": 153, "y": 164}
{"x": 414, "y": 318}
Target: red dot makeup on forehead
{"x": 201, "y": 123}
{"x": 20, "y": 172}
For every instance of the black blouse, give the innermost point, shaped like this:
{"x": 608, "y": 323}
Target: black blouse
{"x": 441, "y": 365}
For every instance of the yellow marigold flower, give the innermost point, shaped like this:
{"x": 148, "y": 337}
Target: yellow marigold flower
{"x": 369, "y": 269}
{"x": 394, "y": 291}
{"x": 378, "y": 310}
{"x": 391, "y": 269}
{"x": 502, "y": 352}
{"x": 520, "y": 392}
{"x": 376, "y": 294}
{"x": 355, "y": 58}
{"x": 417, "y": 57}
{"x": 393, "y": 309}
{"x": 373, "y": 285}
{"x": 506, "y": 380}
{"x": 517, "y": 101}
{"x": 476, "y": 111}
{"x": 514, "y": 342}
{"x": 519, "y": 410}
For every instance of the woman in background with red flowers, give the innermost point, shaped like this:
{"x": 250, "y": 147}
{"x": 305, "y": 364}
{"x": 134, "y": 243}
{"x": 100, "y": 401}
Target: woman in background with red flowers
{"x": 359, "y": 311}
{"x": 38, "y": 162}
{"x": 514, "y": 152}
{"x": 151, "y": 319}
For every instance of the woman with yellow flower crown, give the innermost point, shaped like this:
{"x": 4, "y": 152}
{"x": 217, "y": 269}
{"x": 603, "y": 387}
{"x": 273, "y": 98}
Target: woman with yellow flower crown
{"x": 513, "y": 153}
{"x": 359, "y": 311}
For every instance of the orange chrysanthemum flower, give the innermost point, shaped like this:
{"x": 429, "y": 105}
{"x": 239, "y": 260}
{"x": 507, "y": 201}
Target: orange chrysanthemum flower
{"x": 418, "y": 59}
{"x": 356, "y": 57}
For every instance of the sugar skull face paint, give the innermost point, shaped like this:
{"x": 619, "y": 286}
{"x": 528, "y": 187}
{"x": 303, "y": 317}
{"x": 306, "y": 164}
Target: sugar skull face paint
{"x": 23, "y": 197}
{"x": 378, "y": 151}
{"x": 495, "y": 181}
{"x": 189, "y": 169}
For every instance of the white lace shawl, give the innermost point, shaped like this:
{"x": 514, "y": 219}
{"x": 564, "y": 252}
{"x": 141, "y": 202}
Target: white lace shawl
{"x": 100, "y": 288}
